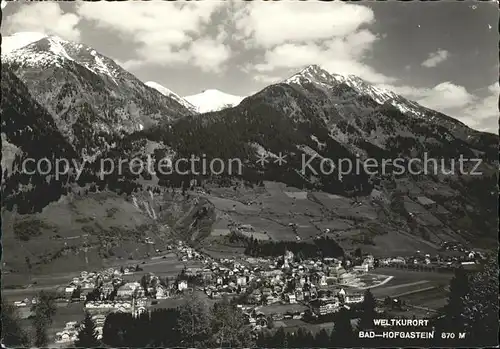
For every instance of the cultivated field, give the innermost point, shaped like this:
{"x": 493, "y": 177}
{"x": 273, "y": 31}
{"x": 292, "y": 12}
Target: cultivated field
{"x": 270, "y": 211}
{"x": 425, "y": 290}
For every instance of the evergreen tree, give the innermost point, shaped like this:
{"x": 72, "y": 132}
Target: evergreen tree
{"x": 117, "y": 328}
{"x": 358, "y": 253}
{"x": 300, "y": 339}
{"x": 76, "y": 293}
{"x": 43, "y": 313}
{"x": 322, "y": 339}
{"x": 343, "y": 334}
{"x": 455, "y": 308}
{"x": 228, "y": 326}
{"x": 278, "y": 340}
{"x": 481, "y": 307}
{"x": 194, "y": 322}
{"x": 145, "y": 283}
{"x": 87, "y": 337}
{"x": 368, "y": 313}
{"x": 13, "y": 335}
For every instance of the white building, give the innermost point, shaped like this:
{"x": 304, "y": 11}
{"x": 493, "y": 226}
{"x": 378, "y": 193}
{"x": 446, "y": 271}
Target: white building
{"x": 290, "y": 297}
{"x": 322, "y": 281}
{"x": 363, "y": 268}
{"x": 128, "y": 289}
{"x": 182, "y": 285}
{"x": 241, "y": 280}
{"x": 162, "y": 292}
{"x": 354, "y": 298}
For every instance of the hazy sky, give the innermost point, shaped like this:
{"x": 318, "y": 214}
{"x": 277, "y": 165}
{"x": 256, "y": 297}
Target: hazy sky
{"x": 443, "y": 54}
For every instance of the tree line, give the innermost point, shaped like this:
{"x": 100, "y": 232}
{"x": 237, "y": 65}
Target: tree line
{"x": 321, "y": 247}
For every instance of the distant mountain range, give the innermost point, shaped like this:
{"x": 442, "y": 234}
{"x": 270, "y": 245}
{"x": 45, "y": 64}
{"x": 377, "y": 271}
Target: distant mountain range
{"x": 86, "y": 105}
{"x": 204, "y": 102}
{"x": 317, "y": 115}
{"x": 213, "y": 100}
{"x": 166, "y": 92}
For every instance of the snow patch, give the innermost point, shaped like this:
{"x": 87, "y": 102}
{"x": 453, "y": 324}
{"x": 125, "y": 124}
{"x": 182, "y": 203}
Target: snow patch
{"x": 213, "y": 100}
{"x": 261, "y": 151}
{"x": 57, "y": 48}
{"x": 167, "y": 92}
{"x": 309, "y": 151}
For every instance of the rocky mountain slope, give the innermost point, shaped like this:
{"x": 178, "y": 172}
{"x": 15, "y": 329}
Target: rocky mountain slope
{"x": 58, "y": 223}
{"x": 29, "y": 134}
{"x": 213, "y": 100}
{"x": 317, "y": 118}
{"x": 91, "y": 98}
{"x": 169, "y": 93}
{"x": 313, "y": 117}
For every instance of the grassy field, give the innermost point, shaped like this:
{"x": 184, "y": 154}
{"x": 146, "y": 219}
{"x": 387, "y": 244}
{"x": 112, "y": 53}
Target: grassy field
{"x": 422, "y": 289}
{"x": 71, "y": 233}
{"x": 281, "y": 308}
{"x": 361, "y": 222}
{"x": 82, "y": 232}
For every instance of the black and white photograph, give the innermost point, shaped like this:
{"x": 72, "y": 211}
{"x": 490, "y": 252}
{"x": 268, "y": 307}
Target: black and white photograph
{"x": 249, "y": 174}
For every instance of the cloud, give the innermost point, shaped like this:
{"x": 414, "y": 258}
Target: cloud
{"x": 209, "y": 54}
{"x": 267, "y": 24}
{"x": 47, "y": 18}
{"x": 267, "y": 79}
{"x": 483, "y": 113}
{"x": 477, "y": 111}
{"x": 446, "y": 96}
{"x": 295, "y": 34}
{"x": 338, "y": 55}
{"x": 166, "y": 33}
{"x": 435, "y": 58}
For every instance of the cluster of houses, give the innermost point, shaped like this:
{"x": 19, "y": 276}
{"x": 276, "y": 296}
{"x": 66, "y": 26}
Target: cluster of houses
{"x": 317, "y": 287}
{"x": 280, "y": 280}
{"x": 450, "y": 258}
{"x": 106, "y": 280}
{"x": 320, "y": 284}
{"x": 135, "y": 306}
{"x": 70, "y": 332}
{"x": 26, "y": 302}
{"x": 260, "y": 317}
{"x": 111, "y": 281}
{"x": 187, "y": 253}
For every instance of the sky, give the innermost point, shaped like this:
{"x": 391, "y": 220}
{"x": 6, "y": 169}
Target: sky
{"x": 442, "y": 54}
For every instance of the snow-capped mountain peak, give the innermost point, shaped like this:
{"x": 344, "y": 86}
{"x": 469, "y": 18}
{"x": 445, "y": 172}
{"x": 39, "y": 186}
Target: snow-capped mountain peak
{"x": 213, "y": 100}
{"x": 169, "y": 93}
{"x": 320, "y": 76}
{"x": 90, "y": 97}
{"x": 315, "y": 73}
{"x": 31, "y": 49}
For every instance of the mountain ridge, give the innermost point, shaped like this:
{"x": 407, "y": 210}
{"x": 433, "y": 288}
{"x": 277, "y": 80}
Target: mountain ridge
{"x": 92, "y": 99}
{"x": 304, "y": 118}
{"x": 313, "y": 114}
{"x": 169, "y": 93}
